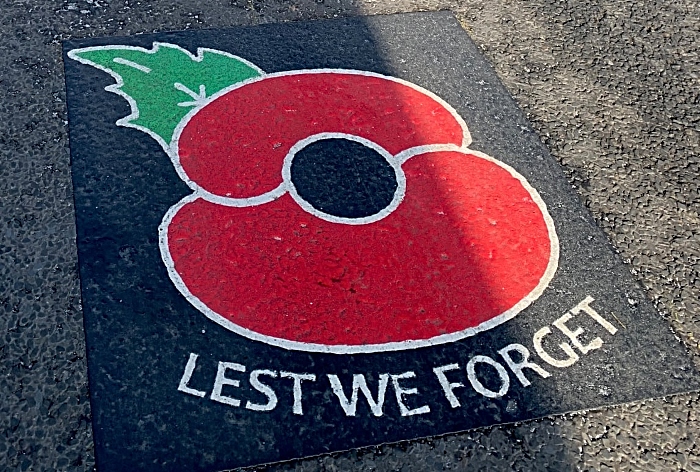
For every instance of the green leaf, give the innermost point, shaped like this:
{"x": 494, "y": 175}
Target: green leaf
{"x": 164, "y": 83}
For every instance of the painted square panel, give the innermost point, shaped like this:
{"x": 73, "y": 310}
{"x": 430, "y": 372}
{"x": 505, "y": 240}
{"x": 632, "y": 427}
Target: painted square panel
{"x": 310, "y": 237}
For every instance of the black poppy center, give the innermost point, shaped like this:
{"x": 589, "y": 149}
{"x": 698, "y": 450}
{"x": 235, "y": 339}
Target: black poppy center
{"x": 343, "y": 178}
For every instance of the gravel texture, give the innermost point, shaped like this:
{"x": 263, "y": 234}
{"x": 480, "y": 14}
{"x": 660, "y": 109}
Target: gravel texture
{"x": 612, "y": 87}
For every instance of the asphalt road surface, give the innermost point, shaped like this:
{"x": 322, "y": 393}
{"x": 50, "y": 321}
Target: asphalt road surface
{"x": 612, "y": 87}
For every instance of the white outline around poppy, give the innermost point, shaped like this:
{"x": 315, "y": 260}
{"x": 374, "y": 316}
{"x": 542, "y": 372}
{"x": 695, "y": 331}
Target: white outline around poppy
{"x": 283, "y": 187}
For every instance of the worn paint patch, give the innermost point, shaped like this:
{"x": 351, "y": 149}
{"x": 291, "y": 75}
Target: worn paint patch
{"x": 358, "y": 260}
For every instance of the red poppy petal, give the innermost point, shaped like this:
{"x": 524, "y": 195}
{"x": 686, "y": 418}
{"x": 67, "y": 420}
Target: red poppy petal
{"x": 235, "y": 145}
{"x": 467, "y": 243}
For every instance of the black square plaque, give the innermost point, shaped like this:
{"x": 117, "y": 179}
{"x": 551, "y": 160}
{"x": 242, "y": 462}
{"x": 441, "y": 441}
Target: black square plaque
{"x": 309, "y": 237}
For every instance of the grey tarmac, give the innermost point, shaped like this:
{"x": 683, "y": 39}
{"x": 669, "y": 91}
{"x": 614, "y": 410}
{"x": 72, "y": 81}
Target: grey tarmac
{"x": 612, "y": 89}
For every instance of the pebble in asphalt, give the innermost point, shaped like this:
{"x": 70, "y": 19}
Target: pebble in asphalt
{"x": 610, "y": 86}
